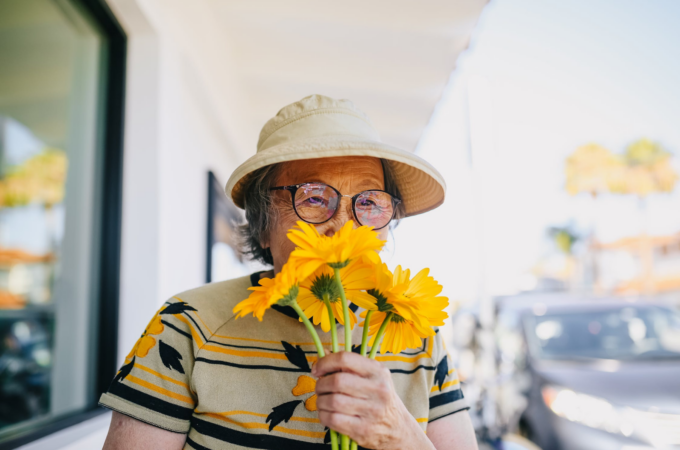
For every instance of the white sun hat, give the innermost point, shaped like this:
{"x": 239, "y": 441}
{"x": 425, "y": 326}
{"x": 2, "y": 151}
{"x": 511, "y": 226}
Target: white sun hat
{"x": 322, "y": 127}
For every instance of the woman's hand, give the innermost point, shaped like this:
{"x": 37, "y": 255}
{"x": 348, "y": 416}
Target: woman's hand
{"x": 356, "y": 397}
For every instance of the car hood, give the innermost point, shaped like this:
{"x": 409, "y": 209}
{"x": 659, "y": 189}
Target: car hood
{"x": 639, "y": 384}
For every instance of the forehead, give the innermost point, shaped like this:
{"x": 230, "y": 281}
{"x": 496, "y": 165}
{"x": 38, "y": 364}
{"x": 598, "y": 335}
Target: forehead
{"x": 359, "y": 172}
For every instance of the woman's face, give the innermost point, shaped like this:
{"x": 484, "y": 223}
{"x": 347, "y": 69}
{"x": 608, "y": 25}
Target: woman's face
{"x": 348, "y": 174}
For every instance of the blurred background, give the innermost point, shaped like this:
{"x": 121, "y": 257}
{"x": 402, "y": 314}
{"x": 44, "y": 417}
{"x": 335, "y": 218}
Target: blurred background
{"x": 555, "y": 125}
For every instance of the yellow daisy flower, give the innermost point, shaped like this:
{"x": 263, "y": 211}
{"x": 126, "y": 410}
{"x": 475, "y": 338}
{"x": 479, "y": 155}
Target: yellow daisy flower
{"x": 414, "y": 307}
{"x": 424, "y": 291}
{"x": 349, "y": 243}
{"x": 400, "y": 334}
{"x": 282, "y": 289}
{"x": 356, "y": 278}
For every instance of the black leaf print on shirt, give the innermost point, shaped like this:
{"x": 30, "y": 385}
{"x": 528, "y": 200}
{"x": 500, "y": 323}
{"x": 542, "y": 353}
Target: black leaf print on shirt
{"x": 170, "y": 357}
{"x": 282, "y": 413}
{"x": 125, "y": 371}
{"x": 442, "y": 372}
{"x": 177, "y": 308}
{"x": 296, "y": 356}
{"x": 356, "y": 349}
{"x": 327, "y": 437}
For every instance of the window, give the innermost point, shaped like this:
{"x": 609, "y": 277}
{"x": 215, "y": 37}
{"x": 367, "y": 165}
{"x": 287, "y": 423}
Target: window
{"x": 224, "y": 257}
{"x": 60, "y": 102}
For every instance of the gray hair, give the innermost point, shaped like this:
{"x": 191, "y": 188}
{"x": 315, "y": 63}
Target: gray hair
{"x": 261, "y": 215}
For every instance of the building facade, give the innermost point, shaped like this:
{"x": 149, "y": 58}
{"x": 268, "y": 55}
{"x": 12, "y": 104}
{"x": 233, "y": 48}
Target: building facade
{"x": 117, "y": 121}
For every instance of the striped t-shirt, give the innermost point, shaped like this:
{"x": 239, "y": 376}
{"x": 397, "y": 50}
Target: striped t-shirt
{"x": 232, "y": 384}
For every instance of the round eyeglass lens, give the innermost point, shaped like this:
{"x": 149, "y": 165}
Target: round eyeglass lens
{"x": 374, "y": 208}
{"x": 315, "y": 202}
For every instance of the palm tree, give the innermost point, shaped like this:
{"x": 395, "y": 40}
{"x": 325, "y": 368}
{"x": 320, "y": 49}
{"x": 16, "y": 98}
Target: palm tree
{"x": 591, "y": 169}
{"x": 643, "y": 169}
{"x": 648, "y": 170}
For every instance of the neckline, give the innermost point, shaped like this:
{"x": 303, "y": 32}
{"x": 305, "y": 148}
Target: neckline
{"x": 287, "y": 310}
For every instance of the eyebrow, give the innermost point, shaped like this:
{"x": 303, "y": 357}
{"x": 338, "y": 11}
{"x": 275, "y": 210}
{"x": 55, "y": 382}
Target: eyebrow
{"x": 363, "y": 185}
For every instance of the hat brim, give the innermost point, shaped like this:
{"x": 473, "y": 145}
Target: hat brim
{"x": 421, "y": 186}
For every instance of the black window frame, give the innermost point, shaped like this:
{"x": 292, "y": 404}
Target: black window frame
{"x": 106, "y": 332}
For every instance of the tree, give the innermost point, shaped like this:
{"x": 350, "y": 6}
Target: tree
{"x": 648, "y": 170}
{"x": 564, "y": 238}
{"x": 591, "y": 169}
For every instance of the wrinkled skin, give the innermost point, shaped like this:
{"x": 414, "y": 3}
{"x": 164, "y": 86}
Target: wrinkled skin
{"x": 350, "y": 175}
{"x": 357, "y": 398}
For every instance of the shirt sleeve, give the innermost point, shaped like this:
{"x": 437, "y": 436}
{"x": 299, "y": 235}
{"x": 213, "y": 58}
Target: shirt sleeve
{"x": 154, "y": 383}
{"x": 446, "y": 397}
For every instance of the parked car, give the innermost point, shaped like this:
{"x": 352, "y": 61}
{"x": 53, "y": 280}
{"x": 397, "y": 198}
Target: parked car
{"x": 25, "y": 365}
{"x": 597, "y": 374}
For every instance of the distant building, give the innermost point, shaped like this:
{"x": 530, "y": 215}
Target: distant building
{"x": 646, "y": 265}
{"x": 112, "y": 115}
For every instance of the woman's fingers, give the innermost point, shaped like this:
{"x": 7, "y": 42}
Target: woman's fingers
{"x": 345, "y": 404}
{"x": 342, "y": 423}
{"x": 356, "y": 397}
{"x": 345, "y": 383}
{"x": 348, "y": 362}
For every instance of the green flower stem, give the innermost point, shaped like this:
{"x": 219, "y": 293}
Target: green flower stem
{"x": 310, "y": 328}
{"x": 364, "y": 342}
{"x": 344, "y": 439}
{"x": 336, "y": 349}
{"x": 319, "y": 350}
{"x": 345, "y": 312}
{"x": 334, "y": 330}
{"x": 379, "y": 336}
{"x": 364, "y": 337}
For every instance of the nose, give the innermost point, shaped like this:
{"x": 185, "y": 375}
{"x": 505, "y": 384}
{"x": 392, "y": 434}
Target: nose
{"x": 340, "y": 218}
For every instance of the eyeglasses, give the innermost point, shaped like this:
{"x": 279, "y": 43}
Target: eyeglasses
{"x": 317, "y": 203}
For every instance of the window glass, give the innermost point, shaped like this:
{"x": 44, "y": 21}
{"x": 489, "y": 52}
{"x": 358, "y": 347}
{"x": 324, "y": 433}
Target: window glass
{"x": 50, "y": 66}
{"x": 632, "y": 332}
{"x": 224, "y": 257}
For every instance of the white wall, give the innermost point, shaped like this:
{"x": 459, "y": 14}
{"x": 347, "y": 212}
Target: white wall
{"x": 173, "y": 136}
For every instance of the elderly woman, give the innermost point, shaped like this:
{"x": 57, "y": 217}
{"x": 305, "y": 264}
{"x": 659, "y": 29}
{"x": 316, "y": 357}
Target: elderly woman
{"x": 198, "y": 379}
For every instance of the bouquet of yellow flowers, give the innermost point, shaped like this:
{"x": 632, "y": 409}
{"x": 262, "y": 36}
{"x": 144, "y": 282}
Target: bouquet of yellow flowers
{"x": 324, "y": 274}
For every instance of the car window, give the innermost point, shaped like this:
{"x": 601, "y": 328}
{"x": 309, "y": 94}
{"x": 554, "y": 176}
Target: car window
{"x": 630, "y": 332}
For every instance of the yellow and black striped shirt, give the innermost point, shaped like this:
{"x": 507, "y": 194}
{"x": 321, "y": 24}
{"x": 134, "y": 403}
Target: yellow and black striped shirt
{"x": 231, "y": 384}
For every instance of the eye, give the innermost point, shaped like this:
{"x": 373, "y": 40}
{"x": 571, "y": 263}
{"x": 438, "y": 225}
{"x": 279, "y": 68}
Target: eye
{"x": 316, "y": 201}
{"x": 312, "y": 201}
{"x": 367, "y": 202}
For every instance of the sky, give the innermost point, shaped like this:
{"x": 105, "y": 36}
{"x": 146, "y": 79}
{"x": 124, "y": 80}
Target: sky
{"x": 539, "y": 79}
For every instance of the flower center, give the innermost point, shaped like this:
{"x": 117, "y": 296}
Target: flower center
{"x": 290, "y": 297}
{"x": 382, "y": 300}
{"x": 339, "y": 265}
{"x": 325, "y": 288}
{"x": 396, "y": 318}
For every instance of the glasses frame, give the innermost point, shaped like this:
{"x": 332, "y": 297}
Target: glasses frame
{"x": 293, "y": 188}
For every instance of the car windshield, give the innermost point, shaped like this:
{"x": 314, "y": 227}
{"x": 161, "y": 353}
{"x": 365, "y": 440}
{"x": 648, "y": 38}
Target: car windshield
{"x": 630, "y": 332}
